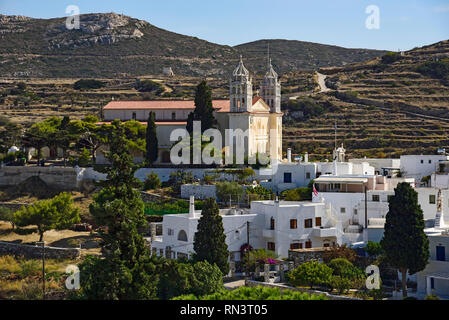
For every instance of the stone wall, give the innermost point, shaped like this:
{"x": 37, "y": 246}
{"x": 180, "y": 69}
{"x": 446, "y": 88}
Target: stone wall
{"x": 200, "y": 192}
{"x": 58, "y": 177}
{"x": 300, "y": 256}
{"x": 35, "y": 252}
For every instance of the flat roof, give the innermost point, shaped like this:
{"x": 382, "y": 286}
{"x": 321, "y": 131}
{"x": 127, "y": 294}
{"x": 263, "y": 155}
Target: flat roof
{"x": 339, "y": 180}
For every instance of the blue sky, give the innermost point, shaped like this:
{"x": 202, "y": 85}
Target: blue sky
{"x": 404, "y": 24}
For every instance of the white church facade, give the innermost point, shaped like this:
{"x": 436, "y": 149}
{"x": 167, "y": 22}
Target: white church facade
{"x": 259, "y": 117}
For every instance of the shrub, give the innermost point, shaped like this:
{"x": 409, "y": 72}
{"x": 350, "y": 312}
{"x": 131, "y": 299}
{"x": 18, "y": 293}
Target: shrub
{"x": 435, "y": 69}
{"x": 432, "y": 297}
{"x": 345, "y": 269}
{"x": 227, "y": 190}
{"x": 255, "y": 293}
{"x": 86, "y": 84}
{"x": 391, "y": 57}
{"x": 149, "y": 86}
{"x": 341, "y": 284}
{"x": 152, "y": 181}
{"x": 259, "y": 193}
{"x": 373, "y": 249}
{"x": 340, "y": 252}
{"x": 310, "y": 273}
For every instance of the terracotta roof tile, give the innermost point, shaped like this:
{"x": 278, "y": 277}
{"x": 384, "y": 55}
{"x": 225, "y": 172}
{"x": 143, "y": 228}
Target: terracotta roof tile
{"x": 222, "y": 105}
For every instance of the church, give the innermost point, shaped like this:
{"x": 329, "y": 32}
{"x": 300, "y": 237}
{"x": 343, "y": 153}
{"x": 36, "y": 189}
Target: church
{"x": 259, "y": 114}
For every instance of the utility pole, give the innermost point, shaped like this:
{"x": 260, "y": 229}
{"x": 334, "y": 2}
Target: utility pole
{"x": 43, "y": 267}
{"x": 366, "y": 206}
{"x": 247, "y": 247}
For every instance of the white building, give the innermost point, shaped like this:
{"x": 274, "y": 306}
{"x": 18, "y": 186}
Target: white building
{"x": 383, "y": 167}
{"x": 434, "y": 279}
{"x": 178, "y": 232}
{"x": 280, "y": 226}
{"x": 417, "y": 167}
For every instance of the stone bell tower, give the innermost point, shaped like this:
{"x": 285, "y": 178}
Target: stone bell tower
{"x": 241, "y": 89}
{"x": 270, "y": 89}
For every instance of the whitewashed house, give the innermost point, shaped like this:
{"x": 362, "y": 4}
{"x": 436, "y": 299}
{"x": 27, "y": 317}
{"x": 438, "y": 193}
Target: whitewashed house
{"x": 434, "y": 279}
{"x": 178, "y": 232}
{"x": 280, "y": 226}
{"x": 419, "y": 166}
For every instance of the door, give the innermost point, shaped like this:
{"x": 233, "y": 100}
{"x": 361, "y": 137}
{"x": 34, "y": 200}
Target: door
{"x": 441, "y": 253}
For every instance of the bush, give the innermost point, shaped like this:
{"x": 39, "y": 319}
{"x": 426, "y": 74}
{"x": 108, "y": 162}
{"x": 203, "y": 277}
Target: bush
{"x": 435, "y": 69}
{"x": 149, "y": 86}
{"x": 198, "y": 279}
{"x": 391, "y": 57}
{"x": 152, "y": 181}
{"x": 310, "y": 273}
{"x": 227, "y": 190}
{"x": 374, "y": 249}
{"x": 344, "y": 268}
{"x": 255, "y": 293}
{"x": 432, "y": 297}
{"x": 340, "y": 252}
{"x": 259, "y": 193}
{"x": 86, "y": 84}
{"x": 341, "y": 284}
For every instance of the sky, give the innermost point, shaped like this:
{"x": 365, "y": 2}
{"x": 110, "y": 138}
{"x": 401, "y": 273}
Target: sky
{"x": 403, "y": 24}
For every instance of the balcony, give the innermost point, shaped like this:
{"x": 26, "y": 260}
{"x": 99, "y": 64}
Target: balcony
{"x": 324, "y": 232}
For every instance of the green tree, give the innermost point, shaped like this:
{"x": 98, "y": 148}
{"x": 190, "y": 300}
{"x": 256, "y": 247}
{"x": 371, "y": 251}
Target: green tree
{"x": 204, "y": 110}
{"x": 127, "y": 270}
{"x": 152, "y": 181}
{"x": 9, "y": 134}
{"x": 58, "y": 213}
{"x": 229, "y": 190}
{"x": 310, "y": 273}
{"x": 210, "y": 241}
{"x": 41, "y": 134}
{"x": 177, "y": 278}
{"x": 405, "y": 244}
{"x": 151, "y": 154}
{"x": 374, "y": 249}
{"x": 7, "y": 214}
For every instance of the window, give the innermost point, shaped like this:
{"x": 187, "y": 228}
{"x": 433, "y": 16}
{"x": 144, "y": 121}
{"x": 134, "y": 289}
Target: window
{"x": 293, "y": 224}
{"x": 342, "y": 210}
{"x": 432, "y": 199}
{"x": 376, "y": 198}
{"x": 308, "y": 244}
{"x": 441, "y": 253}
{"x": 294, "y": 246}
{"x": 287, "y": 177}
{"x": 173, "y": 116}
{"x": 307, "y": 175}
{"x": 272, "y": 223}
{"x": 308, "y": 223}
{"x": 432, "y": 283}
{"x": 422, "y": 161}
{"x": 182, "y": 236}
{"x": 430, "y": 161}
{"x": 318, "y": 222}
{"x": 170, "y": 232}
{"x": 134, "y": 116}
{"x": 271, "y": 246}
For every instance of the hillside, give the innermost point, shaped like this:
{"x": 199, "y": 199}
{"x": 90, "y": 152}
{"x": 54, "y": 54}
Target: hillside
{"x": 384, "y": 107}
{"x": 112, "y": 45}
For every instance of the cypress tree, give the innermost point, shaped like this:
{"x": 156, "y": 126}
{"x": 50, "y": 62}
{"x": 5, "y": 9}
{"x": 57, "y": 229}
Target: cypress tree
{"x": 127, "y": 270}
{"x": 210, "y": 240}
{"x": 151, "y": 154}
{"x": 405, "y": 244}
{"x": 204, "y": 110}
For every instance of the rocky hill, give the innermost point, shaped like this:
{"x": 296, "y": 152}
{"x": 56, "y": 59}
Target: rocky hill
{"x": 397, "y": 104}
{"x": 112, "y": 45}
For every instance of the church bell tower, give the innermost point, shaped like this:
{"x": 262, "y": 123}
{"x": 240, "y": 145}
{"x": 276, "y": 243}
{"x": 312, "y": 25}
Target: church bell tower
{"x": 270, "y": 89}
{"x": 241, "y": 89}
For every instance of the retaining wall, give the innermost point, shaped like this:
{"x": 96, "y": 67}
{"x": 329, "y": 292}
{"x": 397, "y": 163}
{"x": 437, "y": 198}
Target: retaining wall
{"x": 35, "y": 252}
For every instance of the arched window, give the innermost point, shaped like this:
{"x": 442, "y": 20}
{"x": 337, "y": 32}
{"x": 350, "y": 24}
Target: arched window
{"x": 182, "y": 236}
{"x": 272, "y": 223}
{"x": 237, "y": 235}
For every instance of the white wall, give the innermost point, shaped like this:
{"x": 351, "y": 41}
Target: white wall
{"x": 412, "y": 167}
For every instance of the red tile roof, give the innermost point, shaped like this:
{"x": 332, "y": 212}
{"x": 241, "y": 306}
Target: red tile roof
{"x": 161, "y": 123}
{"x": 164, "y": 105}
